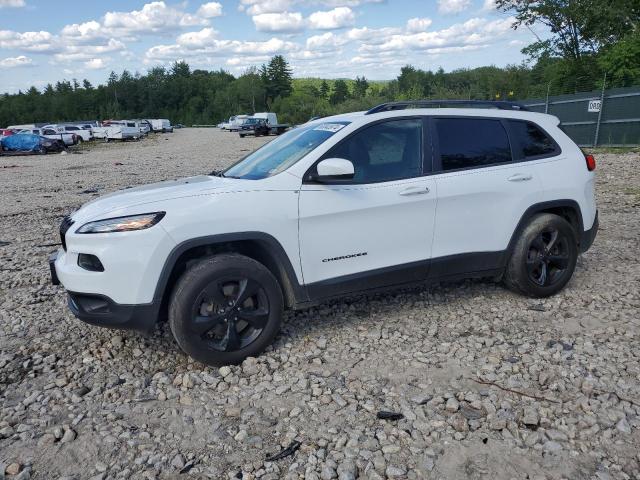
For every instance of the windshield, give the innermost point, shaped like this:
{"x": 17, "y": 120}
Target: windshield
{"x": 279, "y": 154}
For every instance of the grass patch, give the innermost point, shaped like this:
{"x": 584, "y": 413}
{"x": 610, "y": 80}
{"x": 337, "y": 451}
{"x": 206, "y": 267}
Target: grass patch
{"x": 615, "y": 150}
{"x": 634, "y": 191}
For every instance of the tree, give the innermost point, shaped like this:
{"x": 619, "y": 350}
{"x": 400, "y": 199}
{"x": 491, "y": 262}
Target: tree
{"x": 180, "y": 69}
{"x": 360, "y": 87}
{"x": 324, "y": 89}
{"x": 278, "y": 77}
{"x": 621, "y": 61}
{"x": 340, "y": 92}
{"x": 249, "y": 90}
{"x": 578, "y": 27}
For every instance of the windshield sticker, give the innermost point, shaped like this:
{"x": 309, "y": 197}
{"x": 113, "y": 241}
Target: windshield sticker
{"x": 329, "y": 127}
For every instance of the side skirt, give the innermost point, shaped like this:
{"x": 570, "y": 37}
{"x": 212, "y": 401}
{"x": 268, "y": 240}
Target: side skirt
{"x": 450, "y": 268}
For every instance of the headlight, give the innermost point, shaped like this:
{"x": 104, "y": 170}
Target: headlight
{"x": 122, "y": 224}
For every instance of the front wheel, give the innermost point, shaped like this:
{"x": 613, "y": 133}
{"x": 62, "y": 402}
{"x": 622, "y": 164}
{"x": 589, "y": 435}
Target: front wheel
{"x": 226, "y": 308}
{"x": 544, "y": 257}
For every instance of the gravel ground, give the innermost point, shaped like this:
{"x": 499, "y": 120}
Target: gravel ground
{"x": 490, "y": 384}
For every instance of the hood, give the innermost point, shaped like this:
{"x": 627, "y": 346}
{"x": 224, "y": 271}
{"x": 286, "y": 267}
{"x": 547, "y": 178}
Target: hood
{"x": 148, "y": 194}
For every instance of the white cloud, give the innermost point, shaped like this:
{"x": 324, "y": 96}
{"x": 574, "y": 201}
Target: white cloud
{"x": 209, "y": 10}
{"x": 489, "y": 5}
{"x": 28, "y": 41}
{"x": 94, "y": 64}
{"x": 346, "y": 3}
{"x": 475, "y": 31}
{"x": 154, "y": 17}
{"x": 204, "y": 45}
{"x": 372, "y": 36}
{"x": 76, "y": 53}
{"x": 453, "y": 6}
{"x": 327, "y": 40}
{"x": 418, "y": 24}
{"x": 84, "y": 32}
{"x": 339, "y": 17}
{"x": 12, "y": 62}
{"x": 12, "y": 3}
{"x": 199, "y": 39}
{"x": 279, "y": 22}
{"x": 258, "y": 7}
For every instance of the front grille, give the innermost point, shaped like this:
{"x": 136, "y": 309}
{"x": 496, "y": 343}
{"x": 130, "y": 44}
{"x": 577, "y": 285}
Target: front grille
{"x": 64, "y": 226}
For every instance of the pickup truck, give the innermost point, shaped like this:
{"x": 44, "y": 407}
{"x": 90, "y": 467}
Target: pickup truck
{"x": 265, "y": 123}
{"x": 233, "y": 122}
{"x": 67, "y": 138}
{"x": 83, "y": 135}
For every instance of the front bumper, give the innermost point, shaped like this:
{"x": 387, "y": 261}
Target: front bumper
{"x": 102, "y": 311}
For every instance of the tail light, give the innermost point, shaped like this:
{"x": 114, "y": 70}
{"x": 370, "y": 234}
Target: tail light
{"x": 591, "y": 162}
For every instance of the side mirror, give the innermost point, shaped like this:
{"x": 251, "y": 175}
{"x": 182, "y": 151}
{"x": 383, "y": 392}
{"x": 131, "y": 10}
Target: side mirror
{"x": 334, "y": 169}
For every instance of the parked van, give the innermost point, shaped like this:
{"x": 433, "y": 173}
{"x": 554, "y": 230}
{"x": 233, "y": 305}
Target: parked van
{"x": 161, "y": 125}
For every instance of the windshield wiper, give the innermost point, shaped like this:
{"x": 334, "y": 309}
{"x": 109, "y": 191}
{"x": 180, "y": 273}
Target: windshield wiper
{"x": 216, "y": 173}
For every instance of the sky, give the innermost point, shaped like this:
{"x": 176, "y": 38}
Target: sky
{"x": 43, "y": 41}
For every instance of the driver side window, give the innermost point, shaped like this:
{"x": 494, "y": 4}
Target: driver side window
{"x": 383, "y": 152}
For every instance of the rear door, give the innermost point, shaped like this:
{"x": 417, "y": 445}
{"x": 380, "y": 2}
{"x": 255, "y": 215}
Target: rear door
{"x": 483, "y": 190}
{"x": 376, "y": 229}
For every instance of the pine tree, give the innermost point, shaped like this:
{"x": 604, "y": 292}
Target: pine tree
{"x": 340, "y": 92}
{"x": 324, "y": 89}
{"x": 360, "y": 87}
{"x": 278, "y": 76}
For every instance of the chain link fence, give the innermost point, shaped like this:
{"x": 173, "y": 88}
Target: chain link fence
{"x": 595, "y": 118}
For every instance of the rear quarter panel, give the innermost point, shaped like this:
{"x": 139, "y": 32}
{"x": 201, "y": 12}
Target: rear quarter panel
{"x": 566, "y": 177}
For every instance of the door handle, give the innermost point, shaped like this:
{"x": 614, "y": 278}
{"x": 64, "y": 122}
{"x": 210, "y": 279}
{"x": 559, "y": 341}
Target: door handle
{"x": 414, "y": 191}
{"x": 520, "y": 177}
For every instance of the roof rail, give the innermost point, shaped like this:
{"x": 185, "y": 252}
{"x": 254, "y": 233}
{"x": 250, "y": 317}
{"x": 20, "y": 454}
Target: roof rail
{"x": 403, "y": 105}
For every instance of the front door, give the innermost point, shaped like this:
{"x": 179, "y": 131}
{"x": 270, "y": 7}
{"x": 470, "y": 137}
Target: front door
{"x": 377, "y": 229}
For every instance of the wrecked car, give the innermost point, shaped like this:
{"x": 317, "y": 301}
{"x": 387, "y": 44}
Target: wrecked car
{"x": 31, "y": 143}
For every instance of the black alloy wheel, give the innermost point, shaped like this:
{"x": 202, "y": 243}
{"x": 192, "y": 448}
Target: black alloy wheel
{"x": 226, "y": 308}
{"x": 544, "y": 256}
{"x": 548, "y": 257}
{"x": 230, "y": 313}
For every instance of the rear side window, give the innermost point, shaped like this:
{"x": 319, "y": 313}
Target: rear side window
{"x": 530, "y": 141}
{"x": 471, "y": 142}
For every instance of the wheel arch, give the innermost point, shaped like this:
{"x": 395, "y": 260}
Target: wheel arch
{"x": 259, "y": 246}
{"x": 566, "y": 208}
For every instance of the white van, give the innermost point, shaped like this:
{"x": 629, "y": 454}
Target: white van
{"x": 161, "y": 125}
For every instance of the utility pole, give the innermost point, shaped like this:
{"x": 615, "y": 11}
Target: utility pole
{"x": 604, "y": 82}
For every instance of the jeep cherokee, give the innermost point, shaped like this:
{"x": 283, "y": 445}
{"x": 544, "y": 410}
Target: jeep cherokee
{"x": 400, "y": 194}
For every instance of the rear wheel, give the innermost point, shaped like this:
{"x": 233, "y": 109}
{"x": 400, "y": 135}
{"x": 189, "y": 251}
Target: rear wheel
{"x": 226, "y": 308}
{"x": 544, "y": 257}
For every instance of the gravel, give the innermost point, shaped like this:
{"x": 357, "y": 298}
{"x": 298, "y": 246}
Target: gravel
{"x": 490, "y": 384}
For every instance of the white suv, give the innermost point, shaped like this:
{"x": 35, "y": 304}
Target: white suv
{"x": 400, "y": 194}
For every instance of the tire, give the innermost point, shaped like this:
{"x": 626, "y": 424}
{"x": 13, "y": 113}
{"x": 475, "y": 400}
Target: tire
{"x": 207, "y": 307}
{"x": 242, "y": 135}
{"x": 79, "y": 141}
{"x": 536, "y": 270}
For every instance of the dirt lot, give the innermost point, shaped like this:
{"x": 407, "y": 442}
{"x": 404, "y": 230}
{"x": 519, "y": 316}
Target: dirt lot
{"x": 491, "y": 385}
